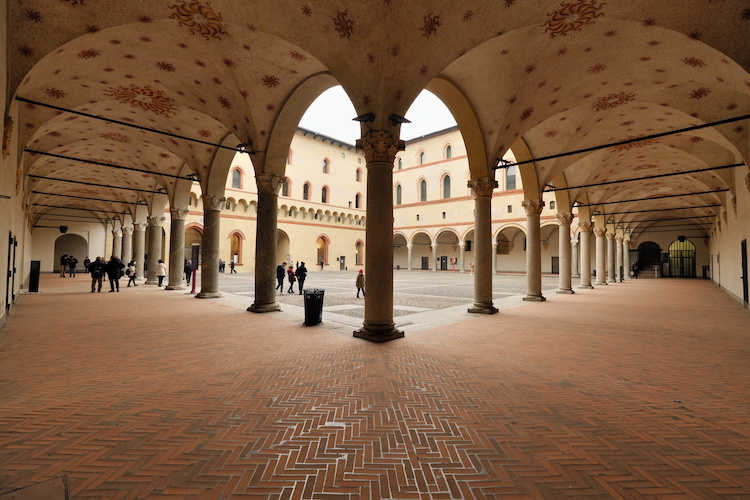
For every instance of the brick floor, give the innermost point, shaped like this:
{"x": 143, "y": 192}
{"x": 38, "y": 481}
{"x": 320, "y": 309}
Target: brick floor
{"x": 633, "y": 390}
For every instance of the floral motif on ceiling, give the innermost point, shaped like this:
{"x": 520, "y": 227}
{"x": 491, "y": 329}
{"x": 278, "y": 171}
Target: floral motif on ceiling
{"x": 612, "y": 100}
{"x": 430, "y": 26}
{"x": 343, "y": 25}
{"x": 637, "y": 144}
{"x": 199, "y": 19}
{"x": 116, "y": 136}
{"x": 572, "y": 16}
{"x": 144, "y": 98}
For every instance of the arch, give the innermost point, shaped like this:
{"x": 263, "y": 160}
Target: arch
{"x": 283, "y": 247}
{"x": 71, "y": 244}
{"x": 421, "y": 157}
{"x": 322, "y": 243}
{"x": 421, "y": 243}
{"x": 649, "y": 255}
{"x": 682, "y": 258}
{"x": 236, "y": 239}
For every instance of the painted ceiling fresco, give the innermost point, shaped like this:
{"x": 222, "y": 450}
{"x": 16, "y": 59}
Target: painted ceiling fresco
{"x": 557, "y": 75}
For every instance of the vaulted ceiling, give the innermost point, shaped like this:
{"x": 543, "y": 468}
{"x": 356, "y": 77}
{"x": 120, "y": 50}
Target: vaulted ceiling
{"x": 178, "y": 82}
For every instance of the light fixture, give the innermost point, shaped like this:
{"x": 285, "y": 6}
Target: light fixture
{"x": 245, "y": 147}
{"x": 397, "y": 119}
{"x": 367, "y": 117}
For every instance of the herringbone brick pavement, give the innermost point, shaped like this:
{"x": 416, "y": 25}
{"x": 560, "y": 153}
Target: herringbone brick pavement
{"x": 633, "y": 390}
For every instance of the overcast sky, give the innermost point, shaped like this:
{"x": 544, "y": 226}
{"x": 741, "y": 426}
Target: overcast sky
{"x": 331, "y": 114}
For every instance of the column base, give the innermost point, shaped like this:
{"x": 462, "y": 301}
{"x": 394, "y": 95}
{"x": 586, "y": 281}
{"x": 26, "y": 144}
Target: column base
{"x": 264, "y": 308}
{"x": 174, "y": 287}
{"x": 151, "y": 282}
{"x": 483, "y": 308}
{"x": 208, "y": 295}
{"x": 566, "y": 290}
{"x": 378, "y": 333}
{"x": 599, "y": 283}
{"x": 585, "y": 287}
{"x": 611, "y": 281}
{"x": 534, "y": 298}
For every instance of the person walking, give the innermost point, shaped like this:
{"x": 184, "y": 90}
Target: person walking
{"x": 360, "y": 283}
{"x": 161, "y": 271}
{"x": 301, "y": 274}
{"x": 290, "y": 273}
{"x": 231, "y": 267}
{"x": 97, "y": 269}
{"x": 72, "y": 263}
{"x": 280, "y": 271}
{"x": 114, "y": 273}
{"x": 86, "y": 264}
{"x": 63, "y": 265}
{"x": 131, "y": 273}
{"x": 188, "y": 269}
{"x": 322, "y": 265}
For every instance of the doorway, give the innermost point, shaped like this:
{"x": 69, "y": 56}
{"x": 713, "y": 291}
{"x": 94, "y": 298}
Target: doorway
{"x": 649, "y": 255}
{"x": 342, "y": 263}
{"x": 682, "y": 258}
{"x": 425, "y": 262}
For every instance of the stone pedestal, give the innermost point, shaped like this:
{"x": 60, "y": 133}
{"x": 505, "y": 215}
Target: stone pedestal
{"x": 533, "y": 251}
{"x": 266, "y": 243}
{"x": 483, "y": 189}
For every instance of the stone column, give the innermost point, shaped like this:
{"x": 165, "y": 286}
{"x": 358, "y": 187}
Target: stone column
{"x": 139, "y": 247}
{"x": 380, "y": 150}
{"x": 177, "y": 248}
{"x": 566, "y": 278}
{"x": 618, "y": 258}
{"x": 611, "y": 257}
{"x": 266, "y": 243}
{"x": 434, "y": 256}
{"x": 601, "y": 258}
{"x": 461, "y": 256}
{"x": 127, "y": 244}
{"x": 210, "y": 249}
{"x": 533, "y": 250}
{"x": 626, "y": 256}
{"x": 494, "y": 256}
{"x": 409, "y": 248}
{"x": 585, "y": 230}
{"x": 154, "y": 247}
{"x": 117, "y": 243}
{"x": 483, "y": 189}
{"x": 574, "y": 259}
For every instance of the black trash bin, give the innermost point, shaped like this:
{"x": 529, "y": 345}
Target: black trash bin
{"x": 313, "y": 300}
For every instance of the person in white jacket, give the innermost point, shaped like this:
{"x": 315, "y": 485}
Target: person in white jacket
{"x": 161, "y": 271}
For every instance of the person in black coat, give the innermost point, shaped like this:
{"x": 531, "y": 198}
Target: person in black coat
{"x": 188, "y": 270}
{"x": 280, "y": 272}
{"x": 97, "y": 270}
{"x": 72, "y": 263}
{"x": 301, "y": 274}
{"x": 114, "y": 272}
{"x": 86, "y": 264}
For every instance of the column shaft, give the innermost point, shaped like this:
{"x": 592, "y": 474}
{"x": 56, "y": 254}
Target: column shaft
{"x": 177, "y": 248}
{"x": 611, "y": 277}
{"x": 601, "y": 257}
{"x": 434, "y": 256}
{"x": 210, "y": 249}
{"x": 127, "y": 244}
{"x": 461, "y": 257}
{"x": 585, "y": 246}
{"x": 139, "y": 247}
{"x": 154, "y": 247}
{"x": 566, "y": 279}
{"x": 533, "y": 251}
{"x": 409, "y": 256}
{"x": 626, "y": 257}
{"x": 483, "y": 274}
{"x": 117, "y": 243}
{"x": 266, "y": 244}
{"x": 575, "y": 258}
{"x": 618, "y": 259}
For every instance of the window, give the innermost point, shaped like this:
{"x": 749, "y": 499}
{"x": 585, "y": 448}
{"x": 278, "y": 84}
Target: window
{"x": 285, "y": 188}
{"x": 552, "y": 205}
{"x": 236, "y": 179}
{"x": 510, "y": 178}
{"x": 400, "y": 164}
{"x": 448, "y": 152}
{"x": 510, "y": 209}
{"x": 325, "y": 166}
{"x": 289, "y": 157}
{"x": 423, "y": 190}
{"x": 447, "y": 186}
{"x": 421, "y": 158}
{"x": 227, "y": 205}
{"x": 306, "y": 191}
{"x": 358, "y": 253}
{"x": 357, "y": 201}
{"x": 398, "y": 194}
{"x": 358, "y": 175}
{"x": 324, "y": 195}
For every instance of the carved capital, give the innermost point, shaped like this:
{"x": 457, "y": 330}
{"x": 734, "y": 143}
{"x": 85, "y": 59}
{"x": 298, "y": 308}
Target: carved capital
{"x": 117, "y": 233}
{"x": 600, "y": 231}
{"x": 533, "y": 207}
{"x": 213, "y": 202}
{"x": 610, "y": 236}
{"x": 483, "y": 187}
{"x": 269, "y": 183}
{"x": 584, "y": 226}
{"x": 179, "y": 213}
{"x": 618, "y": 237}
{"x": 127, "y": 230}
{"x": 380, "y": 146}
{"x": 139, "y": 226}
{"x": 155, "y": 220}
{"x": 564, "y": 219}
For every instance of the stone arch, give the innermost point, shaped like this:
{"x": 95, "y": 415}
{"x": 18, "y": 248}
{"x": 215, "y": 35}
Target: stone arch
{"x": 71, "y": 244}
{"x": 323, "y": 243}
{"x": 421, "y": 242}
{"x": 236, "y": 241}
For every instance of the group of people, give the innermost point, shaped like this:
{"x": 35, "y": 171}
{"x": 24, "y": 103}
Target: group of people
{"x": 69, "y": 263}
{"x": 113, "y": 269}
{"x": 293, "y": 275}
{"x": 223, "y": 266}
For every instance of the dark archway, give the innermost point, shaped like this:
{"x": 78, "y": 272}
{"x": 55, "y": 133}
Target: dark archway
{"x": 649, "y": 255}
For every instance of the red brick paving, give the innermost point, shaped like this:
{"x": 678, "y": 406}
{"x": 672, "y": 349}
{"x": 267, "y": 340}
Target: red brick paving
{"x": 633, "y": 390}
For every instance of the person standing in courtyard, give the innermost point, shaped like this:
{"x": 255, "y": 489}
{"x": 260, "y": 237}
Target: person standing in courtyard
{"x": 322, "y": 265}
{"x": 161, "y": 271}
{"x": 188, "y": 270}
{"x": 114, "y": 273}
{"x": 360, "y": 283}
{"x": 301, "y": 274}
{"x": 231, "y": 267}
{"x": 63, "y": 265}
{"x": 97, "y": 269}
{"x": 86, "y": 264}
{"x": 131, "y": 273}
{"x": 290, "y": 274}
{"x": 280, "y": 271}
{"x": 72, "y": 263}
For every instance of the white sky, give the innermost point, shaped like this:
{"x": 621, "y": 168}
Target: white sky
{"x": 331, "y": 114}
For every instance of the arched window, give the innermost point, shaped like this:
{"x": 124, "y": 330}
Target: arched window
{"x": 358, "y": 253}
{"x": 400, "y": 164}
{"x": 285, "y": 188}
{"x": 448, "y": 152}
{"x": 324, "y": 195}
{"x": 421, "y": 158}
{"x": 447, "y": 186}
{"x": 358, "y": 175}
{"x": 306, "y": 191}
{"x": 325, "y": 166}
{"x": 357, "y": 201}
{"x": 551, "y": 205}
{"x": 236, "y": 178}
{"x": 510, "y": 178}
{"x": 398, "y": 194}
{"x": 423, "y": 190}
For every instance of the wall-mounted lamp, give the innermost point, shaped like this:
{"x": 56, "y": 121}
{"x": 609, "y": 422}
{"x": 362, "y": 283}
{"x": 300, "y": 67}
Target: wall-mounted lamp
{"x": 245, "y": 147}
{"x": 397, "y": 119}
{"x": 367, "y": 118}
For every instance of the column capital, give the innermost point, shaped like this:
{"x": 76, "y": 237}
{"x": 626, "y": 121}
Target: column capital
{"x": 618, "y": 237}
{"x": 139, "y": 226}
{"x": 434, "y": 244}
{"x": 533, "y": 207}
{"x": 127, "y": 230}
{"x": 584, "y": 226}
{"x": 483, "y": 187}
{"x": 610, "y": 235}
{"x": 116, "y": 232}
{"x": 155, "y": 220}
{"x": 409, "y": 246}
{"x": 600, "y": 231}
{"x": 564, "y": 219}
{"x": 179, "y": 213}
{"x": 269, "y": 183}
{"x": 626, "y": 237}
{"x": 380, "y": 146}
{"x": 213, "y": 201}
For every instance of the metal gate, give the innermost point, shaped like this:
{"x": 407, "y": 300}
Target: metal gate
{"x": 682, "y": 259}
